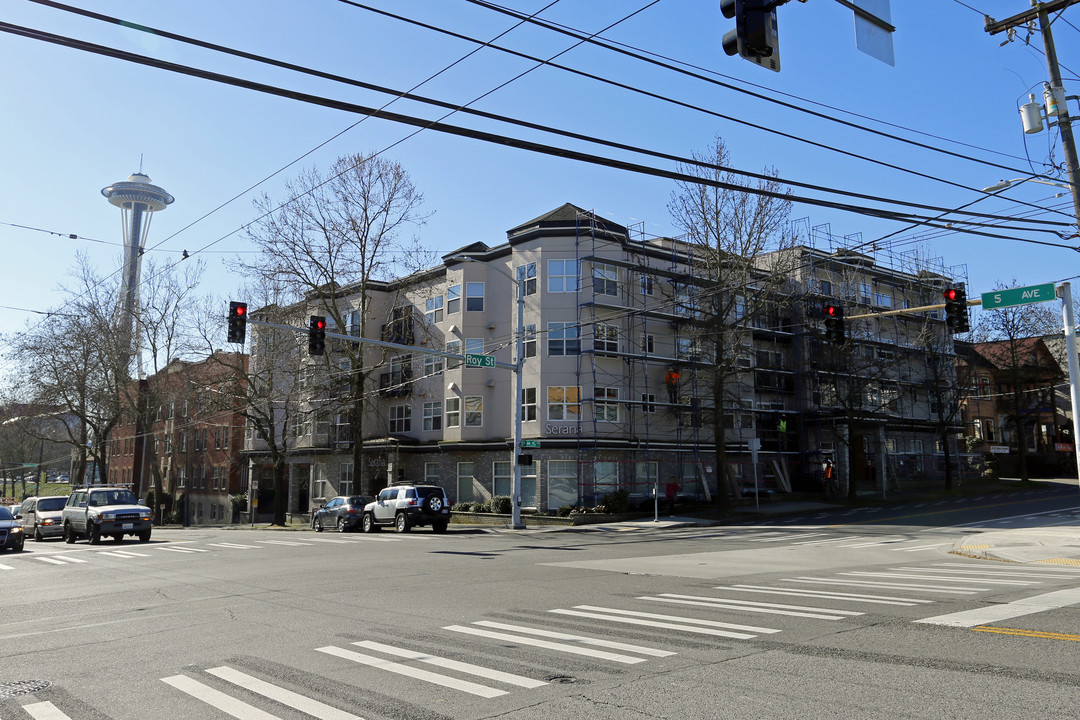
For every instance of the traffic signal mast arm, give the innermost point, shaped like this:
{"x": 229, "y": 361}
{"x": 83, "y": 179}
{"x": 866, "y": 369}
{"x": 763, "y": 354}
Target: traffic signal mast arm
{"x": 379, "y": 343}
{"x": 921, "y": 308}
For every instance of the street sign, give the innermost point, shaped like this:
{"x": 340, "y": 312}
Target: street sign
{"x": 472, "y": 360}
{"x": 1019, "y": 296}
{"x": 530, "y": 443}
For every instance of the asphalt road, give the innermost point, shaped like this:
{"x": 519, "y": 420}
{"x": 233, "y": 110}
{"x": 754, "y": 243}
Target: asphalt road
{"x": 831, "y": 614}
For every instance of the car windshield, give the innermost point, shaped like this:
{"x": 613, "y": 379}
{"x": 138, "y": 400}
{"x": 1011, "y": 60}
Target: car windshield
{"x": 51, "y": 504}
{"x": 5, "y": 514}
{"x": 112, "y": 497}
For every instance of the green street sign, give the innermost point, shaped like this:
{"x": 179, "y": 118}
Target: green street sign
{"x": 472, "y": 360}
{"x": 1019, "y": 296}
{"x": 530, "y": 443}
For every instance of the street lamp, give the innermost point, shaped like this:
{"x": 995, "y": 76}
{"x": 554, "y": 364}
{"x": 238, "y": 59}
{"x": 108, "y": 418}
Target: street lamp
{"x": 519, "y": 363}
{"x": 1004, "y": 184}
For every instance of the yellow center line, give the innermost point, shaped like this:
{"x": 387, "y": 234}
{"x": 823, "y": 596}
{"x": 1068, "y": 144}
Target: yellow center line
{"x": 1028, "y": 633}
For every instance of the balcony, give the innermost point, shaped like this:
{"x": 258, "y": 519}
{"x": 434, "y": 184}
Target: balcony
{"x": 396, "y": 384}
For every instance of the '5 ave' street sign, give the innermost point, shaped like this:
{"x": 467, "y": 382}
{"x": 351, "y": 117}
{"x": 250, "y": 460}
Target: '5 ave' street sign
{"x": 1019, "y": 296}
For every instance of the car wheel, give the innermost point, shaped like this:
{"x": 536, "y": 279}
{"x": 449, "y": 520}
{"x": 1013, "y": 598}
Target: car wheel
{"x": 18, "y": 546}
{"x": 317, "y": 525}
{"x": 38, "y": 537}
{"x": 341, "y": 525}
{"x": 69, "y": 536}
{"x": 144, "y": 536}
{"x": 433, "y": 503}
{"x": 93, "y": 534}
{"x": 369, "y": 523}
{"x": 439, "y": 527}
{"x": 401, "y": 522}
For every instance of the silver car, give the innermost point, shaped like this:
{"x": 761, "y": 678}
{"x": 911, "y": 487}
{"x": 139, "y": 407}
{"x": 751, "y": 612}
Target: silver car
{"x": 40, "y": 516}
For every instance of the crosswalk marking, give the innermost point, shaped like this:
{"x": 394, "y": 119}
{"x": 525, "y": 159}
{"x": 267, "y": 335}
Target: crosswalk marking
{"x": 226, "y": 703}
{"x": 304, "y": 704}
{"x": 183, "y": 549}
{"x": 1007, "y": 611}
{"x": 750, "y": 606}
{"x": 788, "y": 537}
{"x": 909, "y": 576}
{"x": 122, "y": 553}
{"x": 894, "y": 586}
{"x": 415, "y": 673}
{"x": 1024, "y": 570}
{"x": 235, "y": 546}
{"x": 330, "y": 540}
{"x": 919, "y": 547}
{"x": 52, "y": 561}
{"x": 667, "y": 622}
{"x": 546, "y": 644}
{"x": 6, "y": 567}
{"x": 60, "y": 560}
{"x": 829, "y": 540}
{"x": 879, "y": 541}
{"x": 45, "y": 711}
{"x": 283, "y": 542}
{"x": 499, "y": 675}
{"x": 825, "y": 594}
{"x": 584, "y": 640}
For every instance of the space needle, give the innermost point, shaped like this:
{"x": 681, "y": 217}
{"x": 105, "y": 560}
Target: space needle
{"x": 137, "y": 199}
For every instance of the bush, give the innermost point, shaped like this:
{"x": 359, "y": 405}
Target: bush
{"x": 617, "y": 501}
{"x": 462, "y": 507}
{"x": 565, "y": 510}
{"x": 482, "y": 507}
{"x": 502, "y": 504}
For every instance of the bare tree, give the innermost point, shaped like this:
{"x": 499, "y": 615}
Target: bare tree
{"x": 329, "y": 246}
{"x": 740, "y": 245}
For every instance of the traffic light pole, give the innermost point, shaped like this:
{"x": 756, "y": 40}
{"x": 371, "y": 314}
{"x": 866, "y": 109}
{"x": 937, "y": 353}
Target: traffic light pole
{"x": 1064, "y": 291}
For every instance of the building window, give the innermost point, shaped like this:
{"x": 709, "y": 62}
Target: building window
{"x": 563, "y": 402}
{"x": 433, "y": 415}
{"x": 606, "y": 405}
{"x": 433, "y": 310}
{"x": 345, "y": 478}
{"x": 605, "y": 279}
{"x": 528, "y": 404}
{"x": 400, "y": 418}
{"x": 646, "y": 284}
{"x": 474, "y": 346}
{"x": 563, "y": 339}
{"x": 502, "y": 473}
{"x": 883, "y": 300}
{"x": 431, "y": 473}
{"x": 825, "y": 287}
{"x": 562, "y": 483}
{"x": 466, "y": 483}
{"x": 648, "y": 402}
{"x": 563, "y": 275}
{"x": 526, "y": 275}
{"x": 453, "y": 299}
{"x": 433, "y": 365}
{"x": 646, "y": 475}
{"x": 474, "y": 296}
{"x": 647, "y": 342}
{"x": 530, "y": 341}
{"x": 454, "y": 348}
{"x": 605, "y": 338}
{"x": 453, "y": 412}
{"x": 474, "y": 411}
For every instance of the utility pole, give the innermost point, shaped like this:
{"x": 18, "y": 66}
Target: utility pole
{"x": 1041, "y": 11}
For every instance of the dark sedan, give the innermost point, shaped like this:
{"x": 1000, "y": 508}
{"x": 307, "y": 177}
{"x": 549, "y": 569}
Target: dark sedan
{"x": 11, "y": 532}
{"x": 343, "y": 513}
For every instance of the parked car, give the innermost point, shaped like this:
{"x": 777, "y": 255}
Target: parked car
{"x": 11, "y": 532}
{"x": 342, "y": 512}
{"x": 97, "y": 510}
{"x": 41, "y": 516}
{"x": 404, "y": 506}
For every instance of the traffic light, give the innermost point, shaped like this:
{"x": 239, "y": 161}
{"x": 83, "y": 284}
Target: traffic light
{"x": 956, "y": 312}
{"x": 754, "y": 37}
{"x": 316, "y": 337}
{"x": 834, "y": 324}
{"x": 237, "y": 322}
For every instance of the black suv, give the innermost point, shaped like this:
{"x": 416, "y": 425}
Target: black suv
{"x": 404, "y": 506}
{"x": 104, "y": 510}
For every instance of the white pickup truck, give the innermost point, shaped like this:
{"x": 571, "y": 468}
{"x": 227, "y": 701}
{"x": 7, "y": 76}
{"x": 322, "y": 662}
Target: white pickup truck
{"x": 98, "y": 511}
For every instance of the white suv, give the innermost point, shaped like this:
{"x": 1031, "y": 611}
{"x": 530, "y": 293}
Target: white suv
{"x": 404, "y": 506}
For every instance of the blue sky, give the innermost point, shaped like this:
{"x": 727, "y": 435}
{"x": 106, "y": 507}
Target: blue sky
{"x": 73, "y": 122}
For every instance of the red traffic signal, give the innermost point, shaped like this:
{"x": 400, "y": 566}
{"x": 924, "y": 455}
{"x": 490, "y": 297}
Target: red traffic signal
{"x": 956, "y": 311}
{"x": 237, "y": 322}
{"x": 949, "y": 293}
{"x": 316, "y": 335}
{"x": 834, "y": 324}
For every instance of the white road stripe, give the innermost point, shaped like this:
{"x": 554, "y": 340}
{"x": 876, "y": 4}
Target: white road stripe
{"x": 920, "y": 547}
{"x": 749, "y": 606}
{"x": 329, "y": 540}
{"x": 893, "y": 586}
{"x": 1006, "y": 611}
{"x": 181, "y": 550}
{"x": 1024, "y": 569}
{"x": 885, "y": 541}
{"x": 215, "y": 698}
{"x": 415, "y": 673}
{"x": 53, "y": 561}
{"x": 124, "y": 553}
{"x": 854, "y": 597}
{"x": 67, "y": 559}
{"x": 304, "y": 704}
{"x": 584, "y": 640}
{"x": 235, "y": 546}
{"x": 479, "y": 671}
{"x": 790, "y": 537}
{"x": 830, "y": 540}
{"x": 282, "y": 542}
{"x": 6, "y": 567}
{"x": 45, "y": 711}
{"x": 671, "y": 622}
{"x": 547, "y": 644}
{"x": 907, "y": 576}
